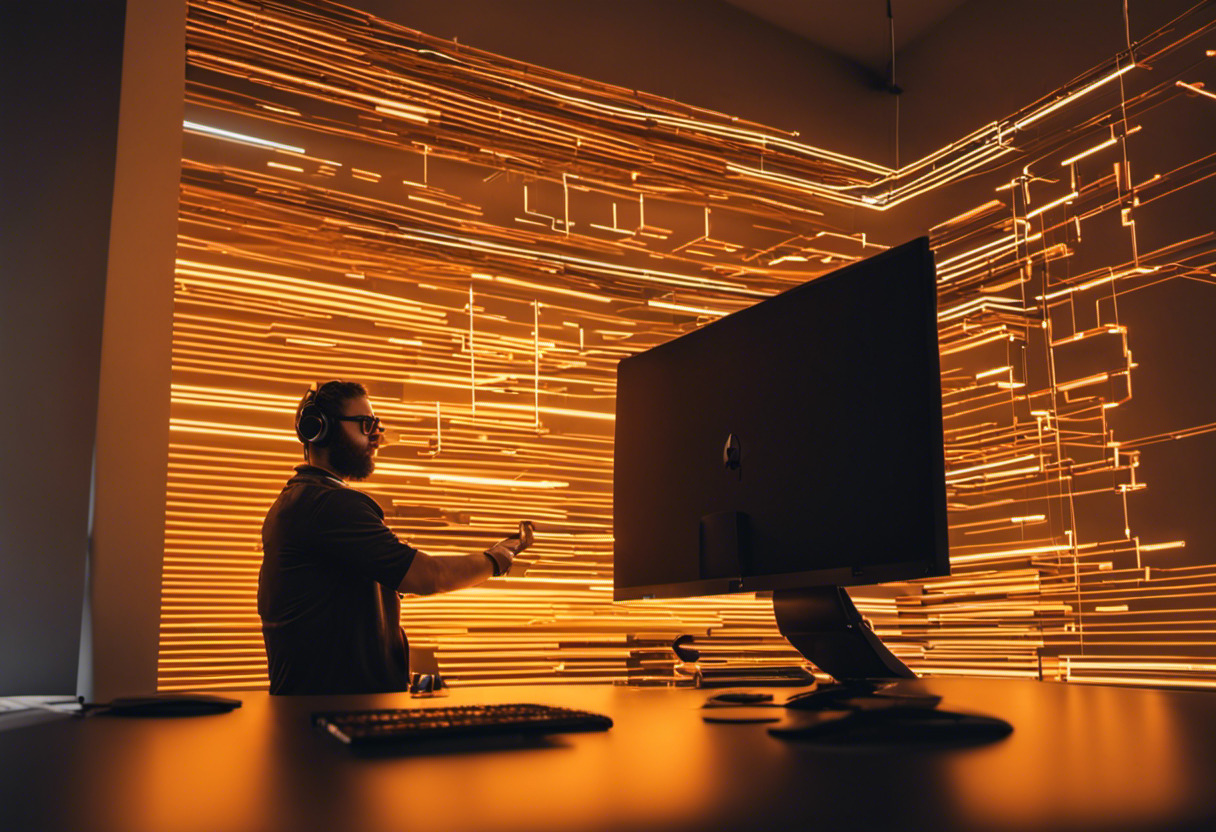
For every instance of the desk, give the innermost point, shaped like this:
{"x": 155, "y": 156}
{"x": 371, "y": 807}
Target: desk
{"x": 1080, "y": 757}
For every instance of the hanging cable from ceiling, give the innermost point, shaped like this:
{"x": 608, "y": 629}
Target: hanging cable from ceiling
{"x": 892, "y": 87}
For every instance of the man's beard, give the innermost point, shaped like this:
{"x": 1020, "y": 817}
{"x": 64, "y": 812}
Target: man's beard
{"x": 349, "y": 460}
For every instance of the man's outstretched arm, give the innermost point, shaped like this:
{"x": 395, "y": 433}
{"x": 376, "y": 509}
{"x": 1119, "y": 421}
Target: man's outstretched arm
{"x": 429, "y": 574}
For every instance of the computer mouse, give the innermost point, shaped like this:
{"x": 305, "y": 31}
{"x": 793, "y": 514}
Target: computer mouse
{"x": 170, "y": 704}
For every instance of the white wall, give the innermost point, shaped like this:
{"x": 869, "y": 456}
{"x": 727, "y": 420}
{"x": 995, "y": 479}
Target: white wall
{"x": 122, "y": 593}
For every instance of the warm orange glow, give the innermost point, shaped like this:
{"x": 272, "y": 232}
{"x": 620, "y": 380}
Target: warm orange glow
{"x": 343, "y": 224}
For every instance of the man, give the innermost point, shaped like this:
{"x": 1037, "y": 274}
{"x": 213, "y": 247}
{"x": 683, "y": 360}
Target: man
{"x": 331, "y": 568}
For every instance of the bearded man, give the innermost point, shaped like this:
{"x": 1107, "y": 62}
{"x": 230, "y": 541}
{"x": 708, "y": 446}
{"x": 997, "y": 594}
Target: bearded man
{"x": 332, "y": 570}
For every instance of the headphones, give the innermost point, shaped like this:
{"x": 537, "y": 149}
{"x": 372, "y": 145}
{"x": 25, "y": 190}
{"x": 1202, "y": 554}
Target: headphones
{"x": 312, "y": 423}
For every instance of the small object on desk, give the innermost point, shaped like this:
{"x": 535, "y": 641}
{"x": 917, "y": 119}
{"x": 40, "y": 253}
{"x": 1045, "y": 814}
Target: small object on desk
{"x": 165, "y": 704}
{"x": 768, "y": 676}
{"x": 743, "y": 713}
{"x": 405, "y": 726}
{"x": 737, "y": 697}
{"x": 427, "y": 684}
{"x": 710, "y": 675}
{"x": 742, "y": 706}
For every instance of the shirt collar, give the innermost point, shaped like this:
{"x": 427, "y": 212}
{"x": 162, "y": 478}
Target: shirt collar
{"x": 314, "y": 471}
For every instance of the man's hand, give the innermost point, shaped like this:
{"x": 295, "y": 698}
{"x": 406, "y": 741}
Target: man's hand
{"x": 503, "y": 553}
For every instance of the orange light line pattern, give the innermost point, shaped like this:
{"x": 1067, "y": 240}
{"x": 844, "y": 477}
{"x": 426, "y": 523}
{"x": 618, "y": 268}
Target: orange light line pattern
{"x": 489, "y": 345}
{"x": 1050, "y": 577}
{"x": 480, "y": 241}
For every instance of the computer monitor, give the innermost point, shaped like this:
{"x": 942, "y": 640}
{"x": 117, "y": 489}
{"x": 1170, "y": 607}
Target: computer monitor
{"x": 793, "y": 446}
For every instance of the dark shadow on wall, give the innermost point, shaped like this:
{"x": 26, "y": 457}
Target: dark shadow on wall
{"x": 61, "y": 77}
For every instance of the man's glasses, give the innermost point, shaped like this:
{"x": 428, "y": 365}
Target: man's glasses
{"x": 367, "y": 424}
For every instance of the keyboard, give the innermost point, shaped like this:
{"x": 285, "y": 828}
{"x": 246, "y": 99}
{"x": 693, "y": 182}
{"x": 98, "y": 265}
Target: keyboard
{"x": 405, "y": 726}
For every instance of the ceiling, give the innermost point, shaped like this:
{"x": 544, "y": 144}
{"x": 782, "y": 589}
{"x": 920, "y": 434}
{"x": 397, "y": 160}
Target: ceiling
{"x": 857, "y": 30}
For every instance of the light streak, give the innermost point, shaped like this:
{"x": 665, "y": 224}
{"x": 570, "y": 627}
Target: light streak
{"x": 552, "y": 411}
{"x": 979, "y": 304}
{"x": 990, "y": 465}
{"x": 1155, "y": 681}
{"x": 1054, "y": 203}
{"x": 1096, "y": 378}
{"x": 195, "y": 127}
{"x": 977, "y": 342}
{"x": 536, "y": 360}
{"x": 683, "y": 307}
{"x": 538, "y": 287}
{"x": 1196, "y": 88}
{"x": 1089, "y": 284}
{"x": 1070, "y": 97}
{"x": 1084, "y": 153}
{"x": 1011, "y": 553}
{"x": 975, "y": 253}
{"x": 417, "y": 114}
{"x": 472, "y": 358}
{"x": 501, "y": 482}
{"x": 1158, "y": 547}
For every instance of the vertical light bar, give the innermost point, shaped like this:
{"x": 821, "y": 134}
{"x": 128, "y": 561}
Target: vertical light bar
{"x": 536, "y": 360}
{"x": 472, "y": 360}
{"x": 438, "y": 429}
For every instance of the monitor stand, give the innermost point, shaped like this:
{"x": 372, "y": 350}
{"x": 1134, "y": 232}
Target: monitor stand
{"x": 823, "y": 625}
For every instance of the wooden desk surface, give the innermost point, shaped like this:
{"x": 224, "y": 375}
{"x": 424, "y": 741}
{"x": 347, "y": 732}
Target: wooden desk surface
{"x": 1080, "y": 757}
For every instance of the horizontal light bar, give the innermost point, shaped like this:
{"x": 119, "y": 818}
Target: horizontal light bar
{"x": 1073, "y": 96}
{"x": 1158, "y": 547}
{"x": 195, "y": 127}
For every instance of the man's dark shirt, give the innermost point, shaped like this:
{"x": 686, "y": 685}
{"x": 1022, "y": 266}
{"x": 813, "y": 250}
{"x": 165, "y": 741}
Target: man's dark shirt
{"x": 327, "y": 591}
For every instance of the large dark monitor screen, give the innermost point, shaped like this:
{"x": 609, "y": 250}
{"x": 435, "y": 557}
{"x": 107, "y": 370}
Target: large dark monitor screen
{"x": 795, "y": 443}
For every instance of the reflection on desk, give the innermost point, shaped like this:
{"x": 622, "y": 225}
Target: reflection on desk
{"x": 1080, "y": 757}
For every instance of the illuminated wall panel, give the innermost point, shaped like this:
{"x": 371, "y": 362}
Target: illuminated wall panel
{"x": 480, "y": 241}
{"x": 1051, "y": 576}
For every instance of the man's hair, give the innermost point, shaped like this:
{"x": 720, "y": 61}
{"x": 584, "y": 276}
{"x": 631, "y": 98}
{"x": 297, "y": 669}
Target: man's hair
{"x": 330, "y": 398}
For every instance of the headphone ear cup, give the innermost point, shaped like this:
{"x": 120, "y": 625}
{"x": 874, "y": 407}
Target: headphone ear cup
{"x": 313, "y": 425}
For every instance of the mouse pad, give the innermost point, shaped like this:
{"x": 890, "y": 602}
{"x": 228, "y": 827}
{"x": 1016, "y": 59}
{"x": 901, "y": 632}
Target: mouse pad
{"x": 170, "y": 704}
{"x": 894, "y": 727}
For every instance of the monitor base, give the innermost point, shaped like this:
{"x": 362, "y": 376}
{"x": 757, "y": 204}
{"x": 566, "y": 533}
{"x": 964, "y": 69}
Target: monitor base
{"x": 859, "y": 695}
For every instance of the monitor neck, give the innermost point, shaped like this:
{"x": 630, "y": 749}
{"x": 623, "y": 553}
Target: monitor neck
{"x": 826, "y": 628}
